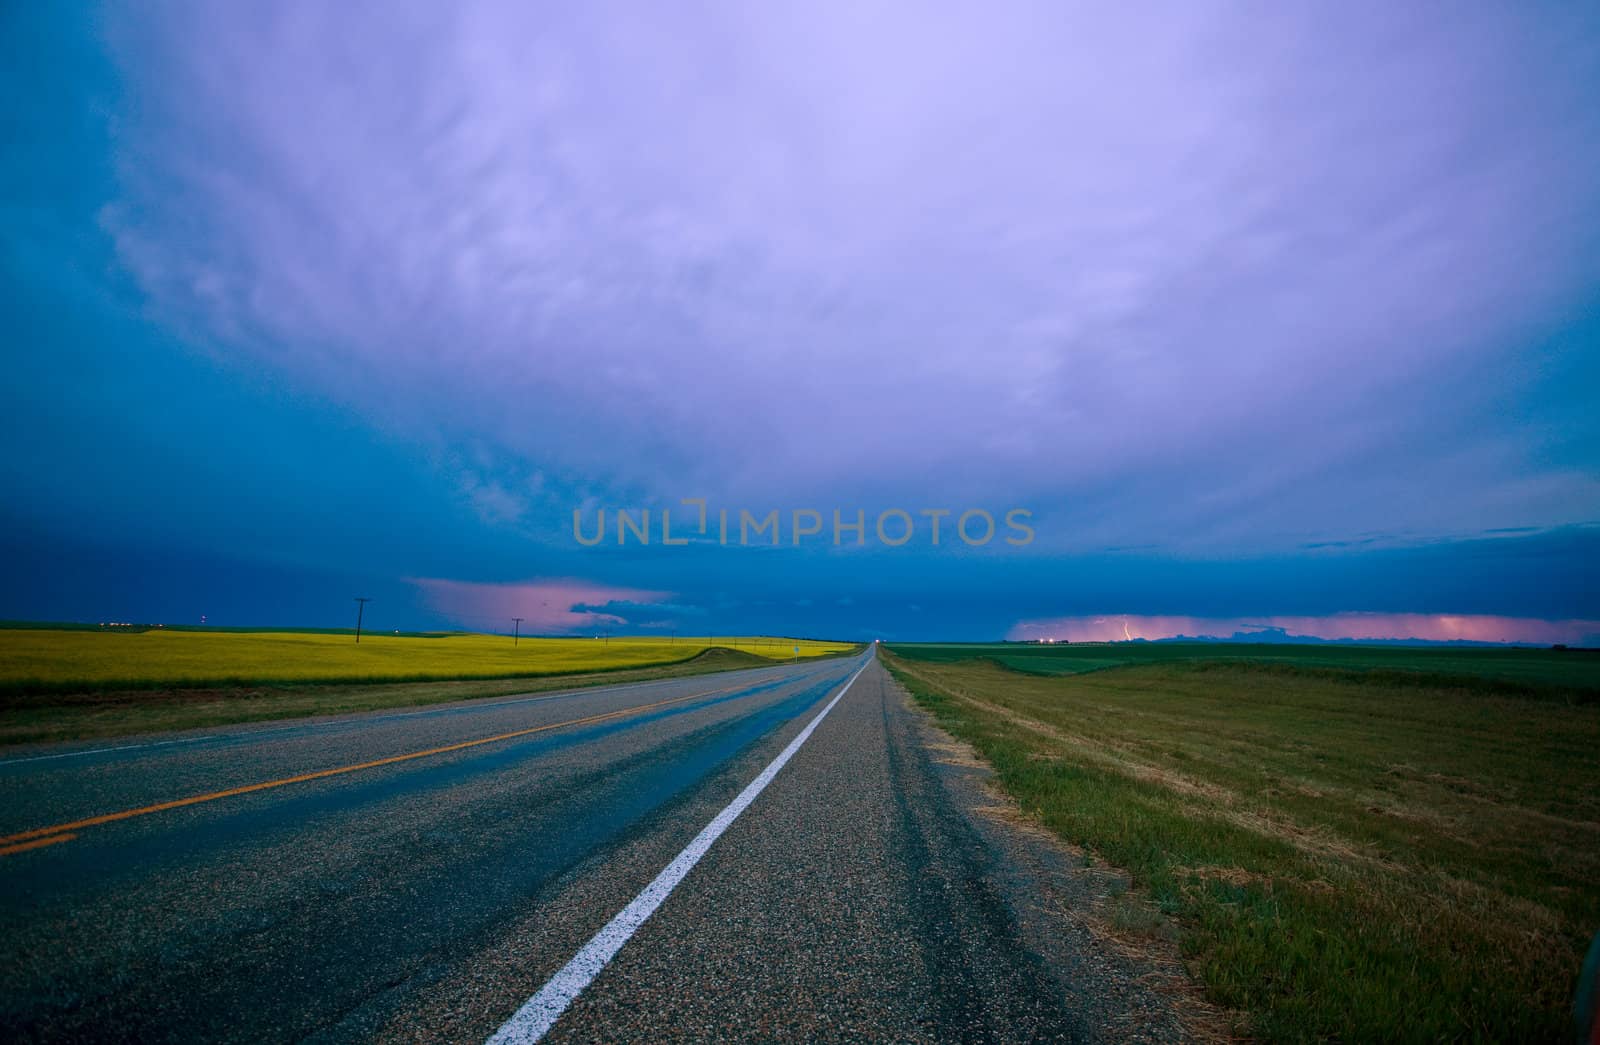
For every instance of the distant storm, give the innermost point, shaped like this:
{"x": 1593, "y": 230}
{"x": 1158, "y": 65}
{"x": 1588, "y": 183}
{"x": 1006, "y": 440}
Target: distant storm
{"x": 1336, "y": 626}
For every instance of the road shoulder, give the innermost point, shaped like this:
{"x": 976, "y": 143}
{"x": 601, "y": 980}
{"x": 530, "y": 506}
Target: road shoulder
{"x": 1074, "y": 912}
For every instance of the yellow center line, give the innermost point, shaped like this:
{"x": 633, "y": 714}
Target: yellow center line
{"x": 35, "y": 838}
{"x": 37, "y": 843}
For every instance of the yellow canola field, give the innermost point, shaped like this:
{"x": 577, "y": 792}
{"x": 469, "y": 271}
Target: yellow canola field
{"x": 159, "y": 656}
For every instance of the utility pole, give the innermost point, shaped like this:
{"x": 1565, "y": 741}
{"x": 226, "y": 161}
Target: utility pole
{"x": 361, "y": 609}
{"x": 516, "y": 636}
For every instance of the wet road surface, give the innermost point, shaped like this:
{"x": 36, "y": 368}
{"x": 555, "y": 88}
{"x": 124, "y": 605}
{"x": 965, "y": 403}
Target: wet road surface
{"x": 421, "y": 875}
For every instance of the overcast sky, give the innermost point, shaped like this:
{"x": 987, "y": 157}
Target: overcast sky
{"x": 1261, "y": 311}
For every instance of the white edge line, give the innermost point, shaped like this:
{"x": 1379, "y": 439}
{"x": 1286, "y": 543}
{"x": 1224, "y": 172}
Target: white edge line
{"x": 540, "y": 1012}
{"x": 100, "y": 750}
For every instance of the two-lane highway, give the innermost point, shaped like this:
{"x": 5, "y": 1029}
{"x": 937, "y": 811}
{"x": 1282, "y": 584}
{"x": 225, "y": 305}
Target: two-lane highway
{"x": 752, "y": 855}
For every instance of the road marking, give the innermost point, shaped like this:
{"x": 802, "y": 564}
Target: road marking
{"x": 37, "y": 843}
{"x": 7, "y": 845}
{"x": 103, "y": 750}
{"x": 341, "y": 721}
{"x": 540, "y": 1012}
{"x": 345, "y": 719}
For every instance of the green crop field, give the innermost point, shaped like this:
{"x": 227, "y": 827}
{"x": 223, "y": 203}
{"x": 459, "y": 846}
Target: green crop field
{"x": 59, "y": 659}
{"x": 1570, "y": 669}
{"x": 1366, "y": 844}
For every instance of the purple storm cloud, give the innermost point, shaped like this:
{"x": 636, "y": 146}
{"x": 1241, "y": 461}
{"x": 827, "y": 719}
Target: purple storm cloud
{"x": 1219, "y": 276}
{"x": 545, "y": 605}
{"x": 1260, "y": 310}
{"x": 1425, "y": 627}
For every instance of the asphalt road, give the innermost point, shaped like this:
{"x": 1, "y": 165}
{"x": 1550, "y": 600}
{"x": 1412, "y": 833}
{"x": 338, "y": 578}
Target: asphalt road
{"x": 423, "y": 875}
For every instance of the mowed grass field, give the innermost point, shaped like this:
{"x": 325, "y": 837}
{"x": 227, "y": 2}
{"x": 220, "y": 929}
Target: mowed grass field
{"x": 1372, "y": 851}
{"x": 75, "y": 684}
{"x": 52, "y": 659}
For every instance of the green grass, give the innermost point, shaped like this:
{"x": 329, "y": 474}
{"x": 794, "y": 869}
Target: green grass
{"x": 1574, "y": 671}
{"x": 1371, "y": 851}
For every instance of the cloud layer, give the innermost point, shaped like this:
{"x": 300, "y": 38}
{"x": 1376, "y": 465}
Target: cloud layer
{"x": 1212, "y": 278}
{"x": 1264, "y": 308}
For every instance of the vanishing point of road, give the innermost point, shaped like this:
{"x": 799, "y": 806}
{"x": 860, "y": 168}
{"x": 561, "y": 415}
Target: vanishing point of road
{"x": 782, "y": 853}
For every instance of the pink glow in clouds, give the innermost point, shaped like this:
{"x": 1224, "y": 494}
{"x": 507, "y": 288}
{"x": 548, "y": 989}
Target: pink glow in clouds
{"x": 1433, "y": 627}
{"x": 545, "y": 605}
